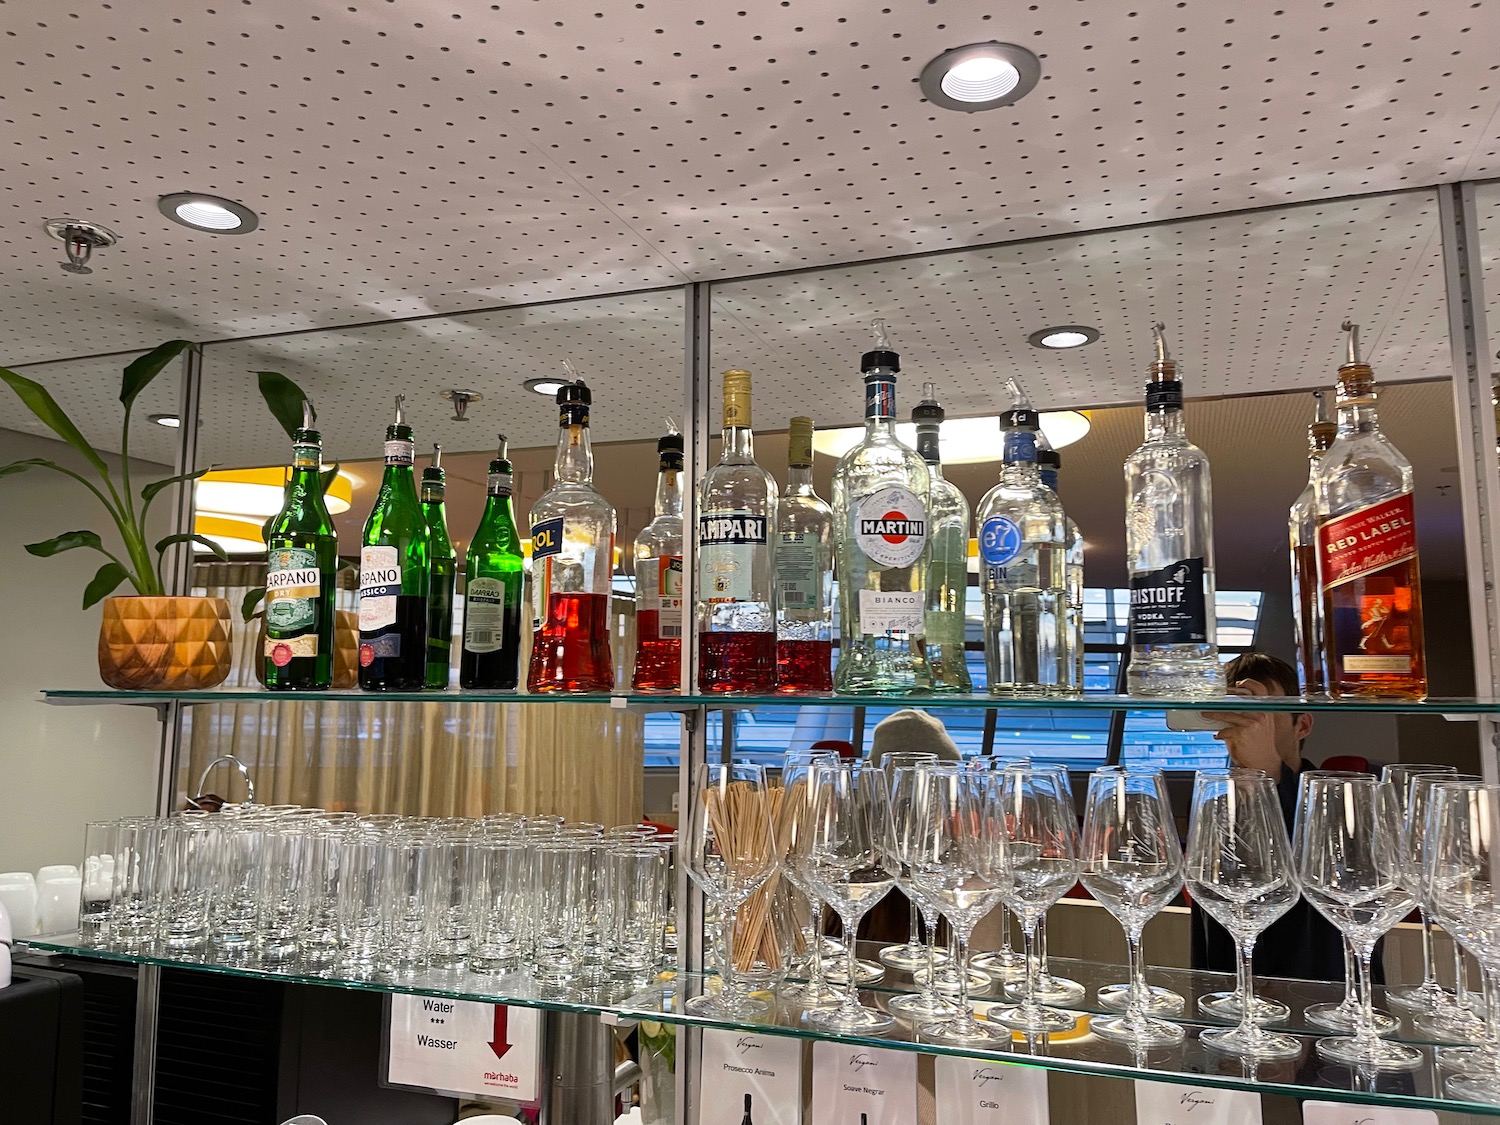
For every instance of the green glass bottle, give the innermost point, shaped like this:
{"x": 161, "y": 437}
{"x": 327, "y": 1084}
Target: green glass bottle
{"x": 302, "y": 551}
{"x": 393, "y": 574}
{"x": 493, "y": 568}
{"x": 442, "y": 561}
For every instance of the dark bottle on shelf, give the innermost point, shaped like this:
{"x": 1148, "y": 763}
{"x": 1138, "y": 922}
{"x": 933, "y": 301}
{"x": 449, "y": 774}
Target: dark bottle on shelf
{"x": 442, "y": 563}
{"x": 747, "y": 1119}
{"x": 302, "y": 553}
{"x": 493, "y": 571}
{"x": 394, "y": 578}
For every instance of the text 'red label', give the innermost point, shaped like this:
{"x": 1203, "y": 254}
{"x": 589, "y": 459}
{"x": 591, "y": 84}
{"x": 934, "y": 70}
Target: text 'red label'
{"x": 1367, "y": 539}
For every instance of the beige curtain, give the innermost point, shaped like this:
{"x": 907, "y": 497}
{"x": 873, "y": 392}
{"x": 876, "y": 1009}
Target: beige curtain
{"x": 444, "y": 758}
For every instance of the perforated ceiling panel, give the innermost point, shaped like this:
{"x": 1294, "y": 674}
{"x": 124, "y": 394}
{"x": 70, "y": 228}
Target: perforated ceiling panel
{"x": 411, "y": 156}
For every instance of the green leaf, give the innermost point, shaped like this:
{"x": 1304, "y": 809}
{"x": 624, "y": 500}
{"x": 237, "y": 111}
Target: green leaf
{"x": 140, "y": 373}
{"x": 45, "y": 407}
{"x": 31, "y": 463}
{"x": 252, "y": 602}
{"x": 189, "y": 537}
{"x": 67, "y": 541}
{"x": 148, "y": 493}
{"x": 110, "y": 575}
{"x": 284, "y": 399}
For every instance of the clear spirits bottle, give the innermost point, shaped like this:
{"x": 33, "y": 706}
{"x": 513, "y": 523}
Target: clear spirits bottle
{"x": 572, "y": 563}
{"x": 736, "y": 599}
{"x": 1022, "y": 551}
{"x": 1070, "y": 678}
{"x": 880, "y": 512}
{"x": 804, "y": 573}
{"x": 1367, "y": 551}
{"x": 658, "y": 578}
{"x": 442, "y": 561}
{"x": 1169, "y": 550}
{"x": 494, "y": 573}
{"x": 1302, "y": 527}
{"x": 947, "y": 577}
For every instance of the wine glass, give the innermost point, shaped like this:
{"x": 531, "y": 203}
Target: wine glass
{"x": 1428, "y": 997}
{"x": 850, "y": 863}
{"x": 816, "y": 992}
{"x": 1348, "y": 854}
{"x": 730, "y": 852}
{"x": 1041, "y": 865}
{"x": 1239, "y": 869}
{"x": 1006, "y": 963}
{"x": 957, "y": 856}
{"x": 910, "y": 796}
{"x": 915, "y": 953}
{"x": 1132, "y": 864}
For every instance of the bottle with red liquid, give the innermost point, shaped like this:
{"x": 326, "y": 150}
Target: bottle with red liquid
{"x": 804, "y": 574}
{"x": 572, "y": 560}
{"x": 736, "y": 588}
{"x": 658, "y": 579}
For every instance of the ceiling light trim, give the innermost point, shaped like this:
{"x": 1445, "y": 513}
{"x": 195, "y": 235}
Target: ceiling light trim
{"x": 946, "y": 83}
{"x": 1037, "y": 338}
{"x": 173, "y": 207}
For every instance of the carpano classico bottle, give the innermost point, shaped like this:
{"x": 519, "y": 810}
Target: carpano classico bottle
{"x": 394, "y": 578}
{"x": 443, "y": 563}
{"x": 302, "y": 552}
{"x": 493, "y": 575}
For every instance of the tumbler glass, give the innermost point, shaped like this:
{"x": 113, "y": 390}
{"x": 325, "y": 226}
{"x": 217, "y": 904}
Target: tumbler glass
{"x": 502, "y": 899}
{"x": 133, "y": 891}
{"x": 408, "y": 893}
{"x": 564, "y": 881}
{"x": 283, "y": 889}
{"x": 187, "y": 881}
{"x": 634, "y": 885}
{"x": 322, "y": 934}
{"x": 238, "y": 863}
{"x": 454, "y": 870}
{"x": 361, "y": 901}
{"x": 98, "y": 880}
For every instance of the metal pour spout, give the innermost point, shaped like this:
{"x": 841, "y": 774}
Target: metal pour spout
{"x": 504, "y": 446}
{"x": 437, "y": 456}
{"x": 1320, "y": 411}
{"x": 1018, "y": 397}
{"x": 309, "y": 414}
{"x": 1352, "y": 330}
{"x": 400, "y": 410}
{"x": 1157, "y": 331}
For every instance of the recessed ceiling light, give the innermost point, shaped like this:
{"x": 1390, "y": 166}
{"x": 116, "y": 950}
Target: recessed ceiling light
{"x": 980, "y": 76}
{"x": 548, "y": 387}
{"x": 1063, "y": 336}
{"x": 208, "y": 212}
{"x": 170, "y": 421}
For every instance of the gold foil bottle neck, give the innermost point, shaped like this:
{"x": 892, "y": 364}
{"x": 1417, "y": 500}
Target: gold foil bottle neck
{"x": 737, "y": 399}
{"x": 799, "y": 447}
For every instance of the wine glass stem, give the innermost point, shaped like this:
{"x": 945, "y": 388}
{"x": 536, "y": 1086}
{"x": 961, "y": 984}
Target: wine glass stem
{"x": 1003, "y": 913}
{"x": 1351, "y": 975}
{"x": 1248, "y": 1027}
{"x": 851, "y": 988}
{"x": 1460, "y": 978}
{"x": 815, "y": 912}
{"x": 1041, "y": 946}
{"x": 916, "y": 937}
{"x": 1033, "y": 965}
{"x": 1429, "y": 974}
{"x": 1139, "y": 998}
{"x": 730, "y": 912}
{"x": 1364, "y": 1030}
{"x": 961, "y": 936}
{"x": 931, "y": 990}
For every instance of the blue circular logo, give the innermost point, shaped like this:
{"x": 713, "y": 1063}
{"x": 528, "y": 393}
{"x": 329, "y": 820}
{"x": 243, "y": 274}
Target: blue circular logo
{"x": 999, "y": 541}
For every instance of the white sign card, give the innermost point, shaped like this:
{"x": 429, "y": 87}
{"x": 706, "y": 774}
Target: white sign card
{"x": 737, "y": 1065}
{"x": 465, "y": 1047}
{"x": 1343, "y": 1113}
{"x": 978, "y": 1092}
{"x": 849, "y": 1081}
{"x": 1167, "y": 1103}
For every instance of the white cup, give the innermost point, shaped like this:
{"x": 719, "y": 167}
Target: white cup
{"x": 57, "y": 904}
{"x": 55, "y": 871}
{"x": 18, "y": 893}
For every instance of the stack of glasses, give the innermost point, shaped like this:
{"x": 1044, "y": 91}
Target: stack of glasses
{"x": 328, "y": 893}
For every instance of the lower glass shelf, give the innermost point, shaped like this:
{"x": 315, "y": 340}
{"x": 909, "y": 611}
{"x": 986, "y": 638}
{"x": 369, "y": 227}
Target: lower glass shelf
{"x": 663, "y": 999}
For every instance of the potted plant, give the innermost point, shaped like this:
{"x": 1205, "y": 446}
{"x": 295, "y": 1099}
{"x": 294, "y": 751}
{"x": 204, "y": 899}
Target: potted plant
{"x": 148, "y": 639}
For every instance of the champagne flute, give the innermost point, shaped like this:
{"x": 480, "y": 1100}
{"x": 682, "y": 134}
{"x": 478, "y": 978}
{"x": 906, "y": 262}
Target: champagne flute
{"x": 910, "y": 797}
{"x": 1239, "y": 869}
{"x": 1132, "y": 864}
{"x": 914, "y": 953}
{"x": 816, "y": 992}
{"x": 1429, "y": 997}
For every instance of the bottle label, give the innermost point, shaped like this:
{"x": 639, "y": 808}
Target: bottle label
{"x": 1018, "y": 446}
{"x": 798, "y": 572}
{"x": 728, "y": 543}
{"x": 884, "y": 612}
{"x": 379, "y": 587}
{"x": 307, "y": 456}
{"x": 499, "y": 484}
{"x": 880, "y": 398}
{"x": 668, "y": 597}
{"x": 1167, "y": 606}
{"x": 890, "y": 527}
{"x": 484, "y": 615}
{"x": 281, "y": 652}
{"x": 293, "y": 583}
{"x": 547, "y": 538}
{"x": 400, "y": 452}
{"x": 1000, "y": 540}
{"x": 1367, "y": 539}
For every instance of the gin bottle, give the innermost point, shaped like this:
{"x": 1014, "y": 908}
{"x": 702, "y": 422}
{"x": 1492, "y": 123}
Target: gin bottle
{"x": 658, "y": 578}
{"x": 302, "y": 553}
{"x": 1302, "y": 526}
{"x": 1070, "y": 676}
{"x": 442, "y": 561}
{"x": 1367, "y": 551}
{"x": 1169, "y": 550}
{"x": 394, "y": 578}
{"x": 736, "y": 610}
{"x": 804, "y": 573}
{"x": 572, "y": 561}
{"x": 947, "y": 577}
{"x": 493, "y": 575}
{"x": 880, "y": 512}
{"x": 1022, "y": 551}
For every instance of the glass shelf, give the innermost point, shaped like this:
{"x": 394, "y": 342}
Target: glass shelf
{"x": 662, "y": 999}
{"x": 1449, "y": 706}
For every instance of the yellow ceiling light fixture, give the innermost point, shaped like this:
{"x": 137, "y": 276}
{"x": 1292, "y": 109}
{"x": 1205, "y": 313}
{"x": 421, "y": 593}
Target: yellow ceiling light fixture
{"x": 963, "y": 441}
{"x": 259, "y": 492}
{"x": 236, "y": 535}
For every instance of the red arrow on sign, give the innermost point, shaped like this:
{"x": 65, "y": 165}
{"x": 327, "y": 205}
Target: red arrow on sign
{"x": 500, "y": 1043}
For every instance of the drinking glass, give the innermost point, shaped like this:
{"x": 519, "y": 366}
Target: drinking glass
{"x": 911, "y": 801}
{"x": 454, "y": 866}
{"x": 406, "y": 898}
{"x": 322, "y": 934}
{"x": 502, "y": 902}
{"x": 1238, "y": 866}
{"x": 283, "y": 889}
{"x": 361, "y": 901}
{"x": 1005, "y": 963}
{"x": 98, "y": 874}
{"x": 1041, "y": 865}
{"x": 187, "y": 880}
{"x": 133, "y": 891}
{"x": 1428, "y": 997}
{"x": 238, "y": 863}
{"x": 1132, "y": 864}
{"x": 731, "y": 850}
{"x": 564, "y": 888}
{"x": 914, "y": 953}
{"x": 792, "y": 832}
{"x": 635, "y": 876}
{"x": 850, "y": 862}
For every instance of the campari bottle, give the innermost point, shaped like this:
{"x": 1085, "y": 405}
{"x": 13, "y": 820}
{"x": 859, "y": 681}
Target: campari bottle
{"x": 572, "y": 563}
{"x": 804, "y": 573}
{"x": 442, "y": 560}
{"x": 494, "y": 569}
{"x": 658, "y": 579}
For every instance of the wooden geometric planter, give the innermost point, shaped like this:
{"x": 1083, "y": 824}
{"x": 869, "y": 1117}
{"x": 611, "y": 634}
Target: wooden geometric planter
{"x": 172, "y": 643}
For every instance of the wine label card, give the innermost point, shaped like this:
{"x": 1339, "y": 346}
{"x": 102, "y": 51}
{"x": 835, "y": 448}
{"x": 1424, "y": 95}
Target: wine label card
{"x": 1342, "y": 1113}
{"x": 849, "y": 1081}
{"x": 745, "y": 1077}
{"x": 1166, "y": 1103}
{"x": 975, "y": 1092}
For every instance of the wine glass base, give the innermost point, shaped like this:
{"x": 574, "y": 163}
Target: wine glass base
{"x": 1049, "y": 990}
{"x": 865, "y": 972}
{"x": 964, "y": 1031}
{"x": 1002, "y": 964}
{"x": 1261, "y": 1044}
{"x": 1468, "y": 1060}
{"x": 1454, "y": 1025}
{"x": 1338, "y": 1017}
{"x": 728, "y": 1007}
{"x": 947, "y": 979}
{"x": 1226, "y": 1005}
{"x": 1475, "y": 1088}
{"x": 1163, "y": 1002}
{"x": 909, "y": 957}
{"x": 857, "y": 1019}
{"x": 1358, "y": 1054}
{"x": 917, "y": 1006}
{"x": 1429, "y": 997}
{"x": 1035, "y": 1019}
{"x": 814, "y": 994}
{"x": 1145, "y": 1032}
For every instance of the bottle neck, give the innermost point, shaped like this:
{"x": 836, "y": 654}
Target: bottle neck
{"x": 799, "y": 480}
{"x": 927, "y": 446}
{"x": 739, "y": 446}
{"x": 1357, "y": 416}
{"x": 1164, "y": 423}
{"x": 880, "y": 401}
{"x": 669, "y": 493}
{"x": 1049, "y": 478}
{"x": 575, "y": 457}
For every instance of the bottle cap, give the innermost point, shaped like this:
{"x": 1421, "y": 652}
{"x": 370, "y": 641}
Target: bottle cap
{"x": 1021, "y": 415}
{"x": 883, "y": 356}
{"x": 433, "y": 473}
{"x": 574, "y": 393}
{"x": 799, "y": 443}
{"x": 928, "y": 411}
{"x": 737, "y": 398}
{"x": 1047, "y": 458}
{"x": 398, "y": 430}
{"x": 1356, "y": 382}
{"x": 1321, "y": 432}
{"x": 671, "y": 443}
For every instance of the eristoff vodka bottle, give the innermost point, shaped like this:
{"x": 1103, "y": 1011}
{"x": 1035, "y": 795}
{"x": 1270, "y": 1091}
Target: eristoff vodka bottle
{"x": 1022, "y": 556}
{"x": 736, "y": 595}
{"x": 804, "y": 573}
{"x": 1302, "y": 530}
{"x": 1169, "y": 550}
{"x": 658, "y": 578}
{"x": 947, "y": 577}
{"x": 880, "y": 508}
{"x": 1070, "y": 679}
{"x": 442, "y": 560}
{"x": 494, "y": 571}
